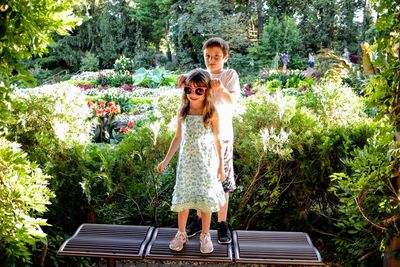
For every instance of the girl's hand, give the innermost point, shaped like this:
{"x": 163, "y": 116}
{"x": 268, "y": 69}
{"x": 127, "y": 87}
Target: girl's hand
{"x": 221, "y": 174}
{"x": 161, "y": 166}
{"x": 215, "y": 85}
{"x": 180, "y": 82}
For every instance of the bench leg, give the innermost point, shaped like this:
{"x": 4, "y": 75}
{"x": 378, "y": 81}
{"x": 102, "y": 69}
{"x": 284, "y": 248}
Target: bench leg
{"x": 110, "y": 262}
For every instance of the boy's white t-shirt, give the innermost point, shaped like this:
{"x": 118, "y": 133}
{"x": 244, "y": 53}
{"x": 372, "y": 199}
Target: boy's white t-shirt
{"x": 230, "y": 80}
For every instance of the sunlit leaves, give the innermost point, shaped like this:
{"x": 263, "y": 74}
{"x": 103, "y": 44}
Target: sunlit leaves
{"x": 23, "y": 195}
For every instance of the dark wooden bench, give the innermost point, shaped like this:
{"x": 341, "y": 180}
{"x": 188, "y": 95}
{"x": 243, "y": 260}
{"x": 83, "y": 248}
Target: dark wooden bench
{"x": 148, "y": 244}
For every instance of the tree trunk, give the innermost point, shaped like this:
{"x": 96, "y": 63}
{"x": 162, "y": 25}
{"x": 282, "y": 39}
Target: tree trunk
{"x": 389, "y": 259}
{"x": 260, "y": 19}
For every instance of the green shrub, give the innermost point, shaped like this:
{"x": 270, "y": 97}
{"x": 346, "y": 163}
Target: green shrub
{"x": 154, "y": 78}
{"x": 367, "y": 198}
{"x": 23, "y": 196}
{"x": 286, "y": 147}
{"x": 49, "y": 119}
{"x": 124, "y": 66}
{"x": 89, "y": 62}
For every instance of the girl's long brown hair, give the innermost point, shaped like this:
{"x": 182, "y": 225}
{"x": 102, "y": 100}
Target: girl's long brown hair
{"x": 199, "y": 77}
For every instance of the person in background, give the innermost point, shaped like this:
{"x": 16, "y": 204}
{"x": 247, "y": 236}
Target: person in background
{"x": 311, "y": 62}
{"x": 200, "y": 169}
{"x": 216, "y": 54}
{"x": 346, "y": 54}
{"x": 285, "y": 61}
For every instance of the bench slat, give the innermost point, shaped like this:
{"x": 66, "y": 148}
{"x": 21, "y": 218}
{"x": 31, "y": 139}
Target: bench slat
{"x": 263, "y": 247}
{"x": 107, "y": 240}
{"x": 158, "y": 248}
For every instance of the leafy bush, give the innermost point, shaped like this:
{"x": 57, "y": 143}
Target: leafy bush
{"x": 126, "y": 188}
{"x": 49, "y": 118}
{"x": 153, "y": 78}
{"x": 23, "y": 195}
{"x": 40, "y": 73}
{"x": 89, "y": 62}
{"x": 367, "y": 199}
{"x": 288, "y": 146}
{"x": 124, "y": 65}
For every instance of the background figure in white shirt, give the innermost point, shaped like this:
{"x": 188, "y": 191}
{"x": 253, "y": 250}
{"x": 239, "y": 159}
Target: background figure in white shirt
{"x": 346, "y": 54}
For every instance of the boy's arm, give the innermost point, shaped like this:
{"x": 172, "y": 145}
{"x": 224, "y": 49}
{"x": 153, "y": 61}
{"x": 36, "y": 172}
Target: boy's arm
{"x": 180, "y": 81}
{"x": 218, "y": 88}
{"x": 218, "y": 146}
{"x": 232, "y": 84}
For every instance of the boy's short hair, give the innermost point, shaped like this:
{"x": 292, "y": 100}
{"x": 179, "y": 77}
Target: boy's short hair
{"x": 217, "y": 42}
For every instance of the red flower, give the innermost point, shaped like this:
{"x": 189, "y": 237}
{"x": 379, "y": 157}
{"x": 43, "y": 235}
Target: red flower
{"x": 125, "y": 130}
{"x": 130, "y": 124}
{"x": 90, "y": 104}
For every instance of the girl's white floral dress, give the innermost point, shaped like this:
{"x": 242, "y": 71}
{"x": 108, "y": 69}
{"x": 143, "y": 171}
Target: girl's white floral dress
{"x": 196, "y": 184}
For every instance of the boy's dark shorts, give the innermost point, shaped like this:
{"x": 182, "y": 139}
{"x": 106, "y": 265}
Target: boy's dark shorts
{"x": 227, "y": 150}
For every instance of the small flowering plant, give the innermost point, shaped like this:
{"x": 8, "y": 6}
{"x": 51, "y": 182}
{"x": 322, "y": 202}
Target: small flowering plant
{"x": 111, "y": 127}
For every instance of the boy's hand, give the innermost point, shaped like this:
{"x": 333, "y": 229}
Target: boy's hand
{"x": 215, "y": 85}
{"x": 180, "y": 82}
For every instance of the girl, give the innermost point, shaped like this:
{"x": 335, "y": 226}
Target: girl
{"x": 200, "y": 169}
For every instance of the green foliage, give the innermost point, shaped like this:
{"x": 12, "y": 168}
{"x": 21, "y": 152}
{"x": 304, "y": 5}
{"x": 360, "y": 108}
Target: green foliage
{"x": 292, "y": 79}
{"x": 50, "y": 118}
{"x": 167, "y": 106}
{"x": 192, "y": 24}
{"x": 368, "y": 189}
{"x": 17, "y": 17}
{"x": 126, "y": 185}
{"x": 365, "y": 194}
{"x": 89, "y": 62}
{"x": 279, "y": 35}
{"x": 383, "y": 88}
{"x": 40, "y": 74}
{"x": 23, "y": 195}
{"x": 153, "y": 78}
{"x": 124, "y": 65}
{"x": 292, "y": 144}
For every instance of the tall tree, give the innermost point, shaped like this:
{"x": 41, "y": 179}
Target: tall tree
{"x": 192, "y": 23}
{"x": 279, "y": 35}
{"x": 153, "y": 17}
{"x": 24, "y": 33}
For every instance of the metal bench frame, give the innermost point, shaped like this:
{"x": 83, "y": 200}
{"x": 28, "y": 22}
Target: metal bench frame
{"x": 148, "y": 244}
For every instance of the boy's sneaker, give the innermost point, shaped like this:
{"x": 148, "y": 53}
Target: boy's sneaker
{"x": 206, "y": 245}
{"x": 224, "y": 233}
{"x": 194, "y": 227}
{"x": 179, "y": 240}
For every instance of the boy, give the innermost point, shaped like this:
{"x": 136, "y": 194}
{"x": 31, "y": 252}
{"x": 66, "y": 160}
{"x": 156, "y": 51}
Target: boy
{"x": 216, "y": 53}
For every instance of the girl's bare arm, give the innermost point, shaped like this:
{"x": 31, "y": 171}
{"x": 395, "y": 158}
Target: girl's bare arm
{"x": 172, "y": 147}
